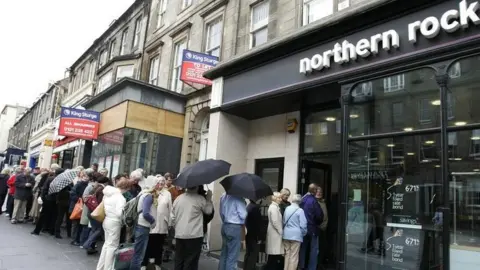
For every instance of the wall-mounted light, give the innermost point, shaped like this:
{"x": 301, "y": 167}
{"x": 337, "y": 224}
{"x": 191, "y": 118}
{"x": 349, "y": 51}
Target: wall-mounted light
{"x": 461, "y": 123}
{"x": 436, "y": 102}
{"x": 408, "y": 129}
{"x": 330, "y": 119}
{"x": 292, "y": 125}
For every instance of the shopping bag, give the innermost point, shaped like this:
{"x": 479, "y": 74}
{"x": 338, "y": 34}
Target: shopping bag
{"x": 99, "y": 213}
{"x": 123, "y": 256}
{"x": 77, "y": 210}
{"x": 91, "y": 202}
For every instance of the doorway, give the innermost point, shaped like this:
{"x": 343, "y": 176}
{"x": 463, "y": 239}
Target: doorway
{"x": 322, "y": 170}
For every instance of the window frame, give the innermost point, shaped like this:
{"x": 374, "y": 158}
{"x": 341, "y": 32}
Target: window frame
{"x": 389, "y": 87}
{"x": 123, "y": 43}
{"x": 259, "y": 26}
{"x": 151, "y": 79}
{"x": 306, "y": 9}
{"x": 103, "y": 58}
{"x": 208, "y": 25}
{"x": 137, "y": 32}
{"x": 122, "y": 66}
{"x": 113, "y": 44}
{"x": 176, "y": 84}
{"x": 110, "y": 74}
{"x": 161, "y": 10}
{"x": 186, "y": 4}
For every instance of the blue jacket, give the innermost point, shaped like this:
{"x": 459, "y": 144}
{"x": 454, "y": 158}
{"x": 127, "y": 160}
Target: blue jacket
{"x": 295, "y": 223}
{"x": 313, "y": 213}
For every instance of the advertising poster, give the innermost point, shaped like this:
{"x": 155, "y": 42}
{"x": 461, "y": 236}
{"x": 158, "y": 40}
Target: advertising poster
{"x": 78, "y": 123}
{"x": 194, "y": 64}
{"x": 116, "y": 165}
{"x": 108, "y": 163}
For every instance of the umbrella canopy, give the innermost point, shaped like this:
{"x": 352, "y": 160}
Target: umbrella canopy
{"x": 202, "y": 173}
{"x": 61, "y": 181}
{"x": 246, "y": 185}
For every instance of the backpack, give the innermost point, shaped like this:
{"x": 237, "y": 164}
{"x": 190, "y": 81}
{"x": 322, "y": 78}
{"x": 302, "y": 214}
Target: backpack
{"x": 130, "y": 212}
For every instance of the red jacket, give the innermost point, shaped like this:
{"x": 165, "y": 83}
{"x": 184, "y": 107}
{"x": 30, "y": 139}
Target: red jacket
{"x": 11, "y": 184}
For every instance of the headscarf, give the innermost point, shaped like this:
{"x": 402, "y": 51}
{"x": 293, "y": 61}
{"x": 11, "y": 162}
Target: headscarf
{"x": 150, "y": 183}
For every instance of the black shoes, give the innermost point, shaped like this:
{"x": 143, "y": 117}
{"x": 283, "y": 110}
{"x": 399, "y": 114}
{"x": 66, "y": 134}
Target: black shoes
{"x": 91, "y": 251}
{"x": 34, "y": 233}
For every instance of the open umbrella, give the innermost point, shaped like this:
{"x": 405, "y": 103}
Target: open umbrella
{"x": 246, "y": 185}
{"x": 202, "y": 173}
{"x": 61, "y": 181}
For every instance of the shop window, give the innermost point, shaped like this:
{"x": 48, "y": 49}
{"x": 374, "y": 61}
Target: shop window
{"x": 391, "y": 206}
{"x": 314, "y": 10}
{"x": 464, "y": 94}
{"x": 452, "y": 146}
{"x": 259, "y": 24}
{"x": 394, "y": 83}
{"x": 464, "y": 200}
{"x": 323, "y": 128}
{"x": 406, "y": 110}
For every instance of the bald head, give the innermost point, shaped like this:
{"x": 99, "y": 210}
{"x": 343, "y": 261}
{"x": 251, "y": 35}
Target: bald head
{"x": 312, "y": 189}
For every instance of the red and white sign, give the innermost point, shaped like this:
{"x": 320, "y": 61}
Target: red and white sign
{"x": 194, "y": 64}
{"x": 78, "y": 123}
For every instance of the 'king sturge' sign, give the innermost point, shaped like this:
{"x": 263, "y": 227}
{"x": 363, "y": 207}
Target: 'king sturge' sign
{"x": 78, "y": 123}
{"x": 194, "y": 64}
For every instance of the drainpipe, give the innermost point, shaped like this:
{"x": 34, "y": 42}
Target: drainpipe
{"x": 146, "y": 9}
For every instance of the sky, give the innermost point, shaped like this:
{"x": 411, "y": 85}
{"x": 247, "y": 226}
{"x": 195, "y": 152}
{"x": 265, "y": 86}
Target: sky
{"x": 42, "y": 38}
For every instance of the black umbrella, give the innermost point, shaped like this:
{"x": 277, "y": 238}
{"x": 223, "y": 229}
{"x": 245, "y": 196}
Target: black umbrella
{"x": 246, "y": 185}
{"x": 202, "y": 173}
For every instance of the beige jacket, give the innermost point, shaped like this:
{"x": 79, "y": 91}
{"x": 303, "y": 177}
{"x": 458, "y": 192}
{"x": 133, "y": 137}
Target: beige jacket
{"x": 274, "y": 244}
{"x": 188, "y": 210}
{"x": 164, "y": 212}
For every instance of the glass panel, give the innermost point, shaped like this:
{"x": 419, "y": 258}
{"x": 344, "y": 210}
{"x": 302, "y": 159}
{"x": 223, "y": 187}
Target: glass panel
{"x": 464, "y": 94}
{"x": 124, "y": 71}
{"x": 464, "y": 190}
{"x": 317, "y": 9}
{"x": 394, "y": 191}
{"x": 259, "y": 37}
{"x": 323, "y": 131}
{"x": 402, "y": 102}
{"x": 260, "y": 14}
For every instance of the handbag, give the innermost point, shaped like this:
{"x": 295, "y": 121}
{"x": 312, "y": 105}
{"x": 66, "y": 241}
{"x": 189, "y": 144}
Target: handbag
{"x": 91, "y": 202}
{"x": 288, "y": 219}
{"x": 77, "y": 210}
{"x": 99, "y": 213}
{"x": 122, "y": 256}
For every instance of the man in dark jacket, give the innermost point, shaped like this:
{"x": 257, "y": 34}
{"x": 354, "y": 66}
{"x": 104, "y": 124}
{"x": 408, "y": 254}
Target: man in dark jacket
{"x": 314, "y": 214}
{"x": 48, "y": 215}
{"x": 75, "y": 194}
{"x": 23, "y": 190}
{"x": 63, "y": 203}
{"x": 253, "y": 223}
{"x": 4, "y": 176}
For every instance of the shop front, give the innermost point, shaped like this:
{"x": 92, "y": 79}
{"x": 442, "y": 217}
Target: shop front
{"x": 388, "y": 128}
{"x": 69, "y": 152}
{"x": 141, "y": 126}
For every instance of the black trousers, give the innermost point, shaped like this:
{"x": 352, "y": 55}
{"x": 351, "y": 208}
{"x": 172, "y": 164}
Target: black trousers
{"x": 29, "y": 207}
{"x": 251, "y": 253}
{"x": 10, "y": 204}
{"x": 154, "y": 248}
{"x": 187, "y": 253}
{"x": 46, "y": 221}
{"x": 62, "y": 213}
{"x": 2, "y": 201}
{"x": 275, "y": 262}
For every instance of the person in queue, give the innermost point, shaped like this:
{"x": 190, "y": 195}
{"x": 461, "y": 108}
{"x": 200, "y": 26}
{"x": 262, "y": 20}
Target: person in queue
{"x": 4, "y": 176}
{"x": 188, "y": 210}
{"x": 174, "y": 192}
{"x": 314, "y": 215}
{"x": 274, "y": 246}
{"x": 159, "y": 233}
{"x": 96, "y": 229}
{"x": 253, "y": 237}
{"x": 113, "y": 203}
{"x": 232, "y": 213}
{"x": 75, "y": 194}
{"x": 135, "y": 178}
{"x": 294, "y": 229}
{"x": 37, "y": 189}
{"x": 322, "y": 232}
{"x": 147, "y": 209}
{"x": 285, "y": 192}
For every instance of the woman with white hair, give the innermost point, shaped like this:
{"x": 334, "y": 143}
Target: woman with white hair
{"x": 135, "y": 178}
{"x": 294, "y": 229}
{"x": 274, "y": 248}
{"x": 163, "y": 221}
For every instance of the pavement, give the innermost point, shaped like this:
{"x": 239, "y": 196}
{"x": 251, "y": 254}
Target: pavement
{"x": 21, "y": 250}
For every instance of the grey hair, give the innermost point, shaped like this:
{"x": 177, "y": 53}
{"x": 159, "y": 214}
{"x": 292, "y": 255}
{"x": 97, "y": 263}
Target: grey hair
{"x": 18, "y": 169}
{"x": 103, "y": 170}
{"x": 79, "y": 168}
{"x": 54, "y": 166}
{"x": 6, "y": 171}
{"x": 285, "y": 191}
{"x": 297, "y": 198}
{"x": 89, "y": 172}
{"x": 136, "y": 175}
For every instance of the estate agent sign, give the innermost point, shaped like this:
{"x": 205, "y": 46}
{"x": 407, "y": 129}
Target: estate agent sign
{"x": 78, "y": 123}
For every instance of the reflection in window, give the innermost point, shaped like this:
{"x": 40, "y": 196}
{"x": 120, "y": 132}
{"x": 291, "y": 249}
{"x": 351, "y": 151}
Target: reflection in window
{"x": 424, "y": 111}
{"x": 323, "y": 131}
{"x": 394, "y": 83}
{"x": 363, "y": 89}
{"x": 475, "y": 144}
{"x": 397, "y": 114}
{"x": 455, "y": 71}
{"x": 323, "y": 128}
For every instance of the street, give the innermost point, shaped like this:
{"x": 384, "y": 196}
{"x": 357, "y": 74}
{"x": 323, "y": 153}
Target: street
{"x": 21, "y": 250}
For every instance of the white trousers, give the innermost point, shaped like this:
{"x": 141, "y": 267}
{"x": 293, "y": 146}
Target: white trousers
{"x": 112, "y": 230}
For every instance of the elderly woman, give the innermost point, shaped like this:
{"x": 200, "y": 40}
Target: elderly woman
{"x": 113, "y": 202}
{"x": 147, "y": 209}
{"x": 163, "y": 222}
{"x": 294, "y": 229}
{"x": 274, "y": 248}
{"x": 37, "y": 189}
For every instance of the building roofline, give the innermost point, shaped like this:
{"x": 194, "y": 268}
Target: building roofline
{"x": 114, "y": 25}
{"x": 339, "y": 24}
